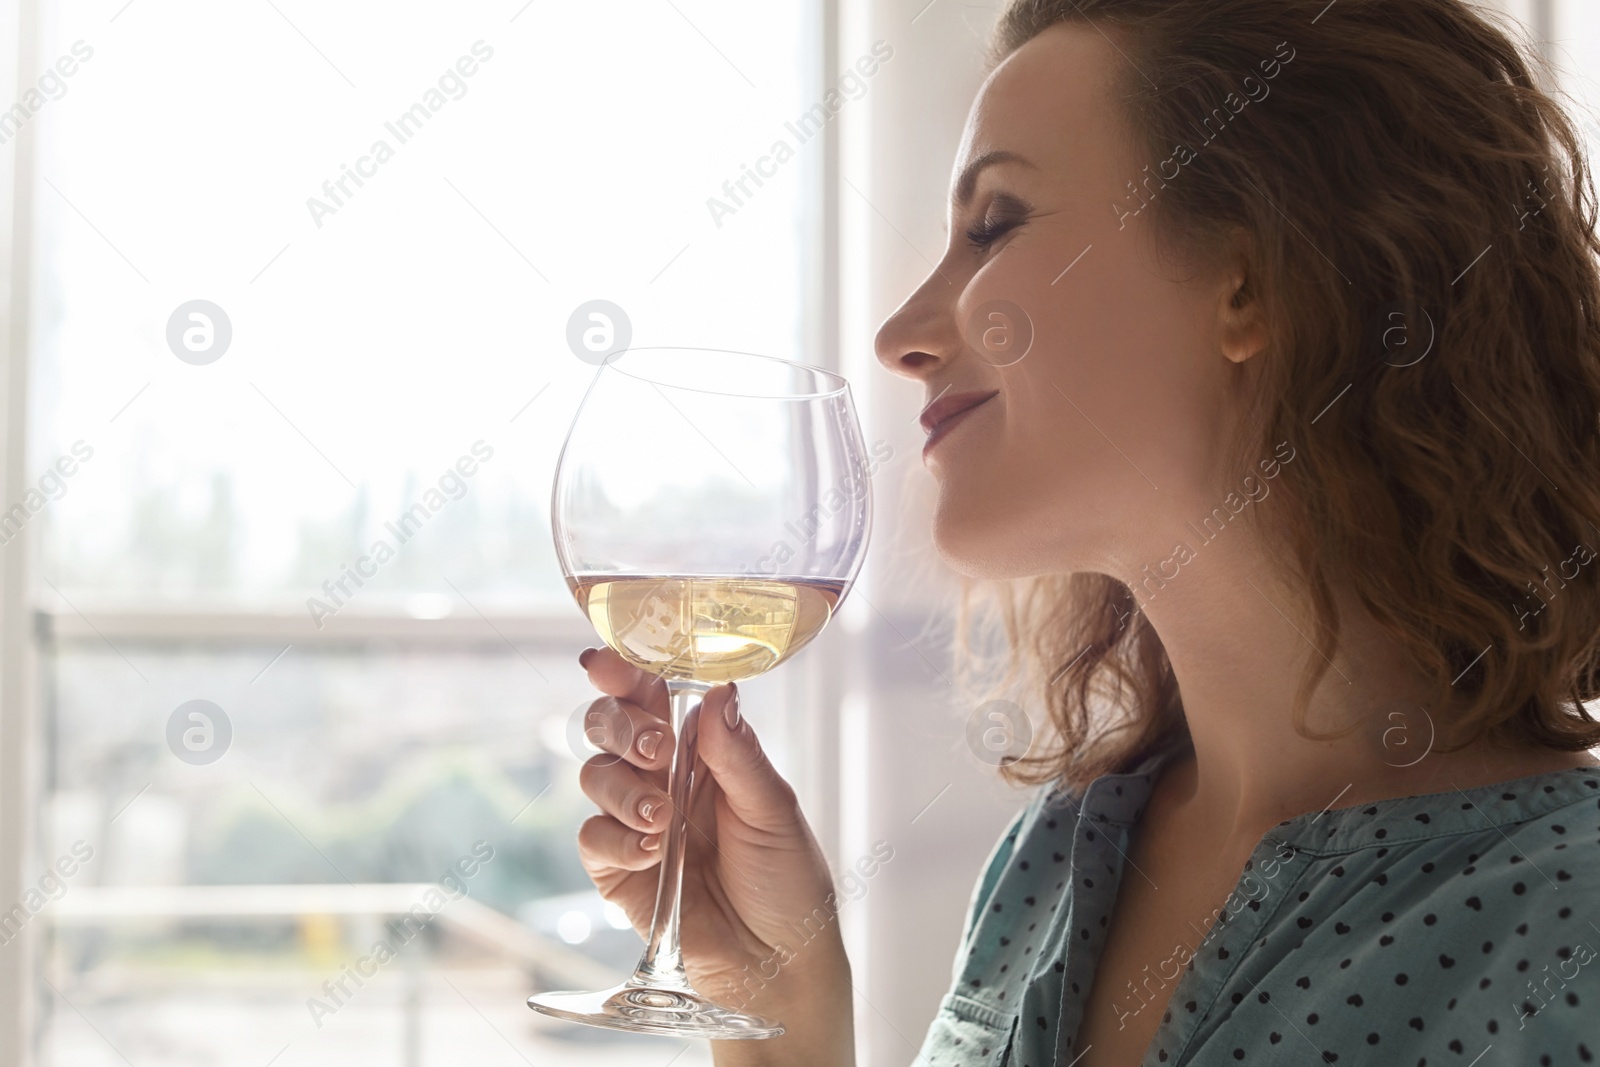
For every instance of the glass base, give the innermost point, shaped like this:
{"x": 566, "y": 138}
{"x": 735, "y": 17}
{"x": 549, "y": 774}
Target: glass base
{"x": 645, "y": 1010}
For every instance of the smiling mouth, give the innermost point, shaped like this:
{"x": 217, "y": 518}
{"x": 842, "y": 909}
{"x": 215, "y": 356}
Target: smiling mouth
{"x": 944, "y": 414}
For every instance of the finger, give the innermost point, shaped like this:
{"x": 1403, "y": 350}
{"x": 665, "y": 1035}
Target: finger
{"x": 625, "y": 794}
{"x": 615, "y": 676}
{"x": 700, "y": 821}
{"x": 605, "y": 844}
{"x": 751, "y": 785}
{"x": 628, "y": 731}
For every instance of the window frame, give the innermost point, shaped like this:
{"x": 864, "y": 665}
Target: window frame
{"x": 30, "y": 631}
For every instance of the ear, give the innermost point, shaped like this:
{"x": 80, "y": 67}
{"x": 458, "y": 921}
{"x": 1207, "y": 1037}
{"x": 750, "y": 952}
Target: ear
{"x": 1241, "y": 319}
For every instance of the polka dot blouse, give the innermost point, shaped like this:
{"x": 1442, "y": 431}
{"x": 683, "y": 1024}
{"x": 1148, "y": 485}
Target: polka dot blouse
{"x": 1457, "y": 929}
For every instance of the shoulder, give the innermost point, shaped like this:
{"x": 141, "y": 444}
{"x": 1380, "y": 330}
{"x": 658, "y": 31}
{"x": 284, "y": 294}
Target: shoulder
{"x": 1469, "y": 917}
{"x": 1514, "y": 959}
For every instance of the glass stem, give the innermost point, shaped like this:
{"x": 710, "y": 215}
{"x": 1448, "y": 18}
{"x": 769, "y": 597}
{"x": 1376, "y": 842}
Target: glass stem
{"x": 661, "y": 966}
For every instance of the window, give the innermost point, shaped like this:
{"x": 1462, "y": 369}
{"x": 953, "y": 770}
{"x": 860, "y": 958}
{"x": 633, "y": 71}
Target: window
{"x": 300, "y": 286}
{"x": 382, "y": 356}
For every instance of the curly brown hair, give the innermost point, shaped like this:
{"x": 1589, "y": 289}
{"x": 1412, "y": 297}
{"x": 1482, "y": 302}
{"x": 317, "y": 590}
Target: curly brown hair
{"x": 1406, "y": 170}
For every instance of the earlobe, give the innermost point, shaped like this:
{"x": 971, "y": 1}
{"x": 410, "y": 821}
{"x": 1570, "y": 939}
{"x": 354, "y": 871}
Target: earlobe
{"x": 1244, "y": 329}
{"x": 1252, "y": 338}
{"x": 1242, "y": 324}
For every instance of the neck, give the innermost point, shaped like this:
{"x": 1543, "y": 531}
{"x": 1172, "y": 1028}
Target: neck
{"x": 1238, "y": 643}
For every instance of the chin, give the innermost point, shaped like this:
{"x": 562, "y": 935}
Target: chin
{"x": 1001, "y": 538}
{"x": 967, "y": 544}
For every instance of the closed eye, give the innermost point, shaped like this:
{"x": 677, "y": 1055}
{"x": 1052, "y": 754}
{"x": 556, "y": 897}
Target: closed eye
{"x": 1004, "y": 213}
{"x": 988, "y": 231}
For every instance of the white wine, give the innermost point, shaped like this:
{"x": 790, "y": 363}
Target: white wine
{"x": 711, "y": 629}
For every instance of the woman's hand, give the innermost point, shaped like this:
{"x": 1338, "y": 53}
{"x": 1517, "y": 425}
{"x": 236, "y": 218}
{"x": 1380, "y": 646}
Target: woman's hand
{"x": 758, "y": 922}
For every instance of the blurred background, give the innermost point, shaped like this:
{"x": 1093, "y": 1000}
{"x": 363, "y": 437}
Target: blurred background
{"x": 214, "y": 798}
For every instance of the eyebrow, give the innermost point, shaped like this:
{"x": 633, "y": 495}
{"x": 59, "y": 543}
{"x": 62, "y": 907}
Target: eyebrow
{"x": 969, "y": 176}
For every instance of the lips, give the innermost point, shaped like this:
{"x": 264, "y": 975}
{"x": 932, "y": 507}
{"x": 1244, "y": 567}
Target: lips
{"x": 948, "y": 407}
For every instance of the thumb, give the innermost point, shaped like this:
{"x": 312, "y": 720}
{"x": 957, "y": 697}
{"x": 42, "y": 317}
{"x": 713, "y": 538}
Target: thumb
{"x": 754, "y": 790}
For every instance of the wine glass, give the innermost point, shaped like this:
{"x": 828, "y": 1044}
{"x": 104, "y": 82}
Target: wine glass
{"x": 710, "y": 512}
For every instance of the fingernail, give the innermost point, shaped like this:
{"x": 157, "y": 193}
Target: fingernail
{"x": 583, "y": 657}
{"x": 651, "y": 842}
{"x": 647, "y": 809}
{"x": 648, "y": 742}
{"x": 730, "y": 711}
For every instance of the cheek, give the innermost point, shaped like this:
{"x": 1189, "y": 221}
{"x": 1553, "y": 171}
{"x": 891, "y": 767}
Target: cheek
{"x": 1121, "y": 373}
{"x": 1109, "y": 422}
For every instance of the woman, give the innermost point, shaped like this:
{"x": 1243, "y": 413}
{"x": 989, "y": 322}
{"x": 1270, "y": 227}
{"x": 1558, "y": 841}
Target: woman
{"x": 1274, "y": 326}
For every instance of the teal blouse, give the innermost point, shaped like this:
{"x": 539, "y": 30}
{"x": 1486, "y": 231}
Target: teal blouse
{"x": 1421, "y": 930}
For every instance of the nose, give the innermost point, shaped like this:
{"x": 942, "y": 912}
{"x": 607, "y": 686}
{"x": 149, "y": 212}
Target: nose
{"x": 921, "y": 336}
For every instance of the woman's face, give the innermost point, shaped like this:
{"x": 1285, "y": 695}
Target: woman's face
{"x": 1104, "y": 434}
